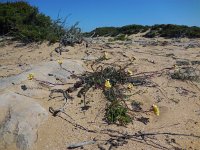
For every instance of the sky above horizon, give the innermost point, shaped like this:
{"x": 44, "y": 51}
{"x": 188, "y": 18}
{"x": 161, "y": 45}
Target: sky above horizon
{"x": 91, "y": 14}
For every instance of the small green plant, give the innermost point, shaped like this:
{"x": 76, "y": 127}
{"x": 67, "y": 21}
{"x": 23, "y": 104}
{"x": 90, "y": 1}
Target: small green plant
{"x": 109, "y": 80}
{"x": 186, "y": 73}
{"x": 116, "y": 112}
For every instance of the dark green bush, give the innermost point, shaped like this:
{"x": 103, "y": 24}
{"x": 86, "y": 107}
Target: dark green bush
{"x": 163, "y": 30}
{"x": 132, "y": 29}
{"x": 173, "y": 31}
{"x": 26, "y": 23}
{"x": 106, "y": 31}
{"x": 114, "y": 31}
{"x": 117, "y": 113}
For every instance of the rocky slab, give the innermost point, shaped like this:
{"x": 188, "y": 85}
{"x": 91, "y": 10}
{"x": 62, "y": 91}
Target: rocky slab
{"x": 20, "y": 118}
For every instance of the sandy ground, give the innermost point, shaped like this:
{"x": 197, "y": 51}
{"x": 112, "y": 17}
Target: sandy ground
{"x": 175, "y": 128}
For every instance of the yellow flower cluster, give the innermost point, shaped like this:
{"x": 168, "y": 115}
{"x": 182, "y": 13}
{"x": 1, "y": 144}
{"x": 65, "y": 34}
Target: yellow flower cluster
{"x": 130, "y": 72}
{"x": 107, "y": 84}
{"x": 176, "y": 68}
{"x": 30, "y": 76}
{"x": 130, "y": 86}
{"x": 156, "y": 110}
{"x": 60, "y": 62}
{"x": 105, "y": 55}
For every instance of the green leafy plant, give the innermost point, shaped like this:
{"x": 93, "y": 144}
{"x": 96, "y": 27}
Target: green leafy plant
{"x": 116, "y": 112}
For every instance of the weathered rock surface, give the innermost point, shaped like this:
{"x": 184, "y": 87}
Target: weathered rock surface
{"x": 20, "y": 118}
{"x": 20, "y": 114}
{"x": 47, "y": 71}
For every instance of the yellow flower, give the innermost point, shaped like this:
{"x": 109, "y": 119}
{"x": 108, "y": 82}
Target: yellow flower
{"x": 60, "y": 62}
{"x": 130, "y": 72}
{"x": 176, "y": 68}
{"x": 30, "y": 76}
{"x": 156, "y": 110}
{"x": 130, "y": 86}
{"x": 107, "y": 84}
{"x": 105, "y": 55}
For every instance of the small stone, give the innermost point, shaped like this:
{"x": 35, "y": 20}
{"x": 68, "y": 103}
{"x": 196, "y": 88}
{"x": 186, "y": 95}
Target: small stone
{"x": 23, "y": 87}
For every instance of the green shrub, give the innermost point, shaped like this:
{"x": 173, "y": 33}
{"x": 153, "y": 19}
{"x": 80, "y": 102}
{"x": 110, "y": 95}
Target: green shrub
{"x": 106, "y": 31}
{"x": 173, "y": 31}
{"x": 26, "y": 23}
{"x": 132, "y": 29}
{"x": 117, "y": 113}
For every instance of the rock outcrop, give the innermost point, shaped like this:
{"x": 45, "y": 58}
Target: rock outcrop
{"x": 20, "y": 118}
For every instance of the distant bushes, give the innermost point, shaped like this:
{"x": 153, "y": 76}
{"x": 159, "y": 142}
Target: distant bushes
{"x": 163, "y": 30}
{"x": 26, "y": 23}
{"x": 106, "y": 31}
{"x": 132, "y": 29}
{"x": 114, "y": 31}
{"x": 173, "y": 31}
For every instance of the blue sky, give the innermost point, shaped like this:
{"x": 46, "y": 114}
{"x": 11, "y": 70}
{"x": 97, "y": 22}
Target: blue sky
{"x": 97, "y": 13}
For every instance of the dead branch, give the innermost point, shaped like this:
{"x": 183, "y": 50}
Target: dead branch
{"x": 81, "y": 144}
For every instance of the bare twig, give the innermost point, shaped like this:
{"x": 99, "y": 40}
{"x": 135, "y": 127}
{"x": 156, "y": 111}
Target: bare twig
{"x": 81, "y": 144}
